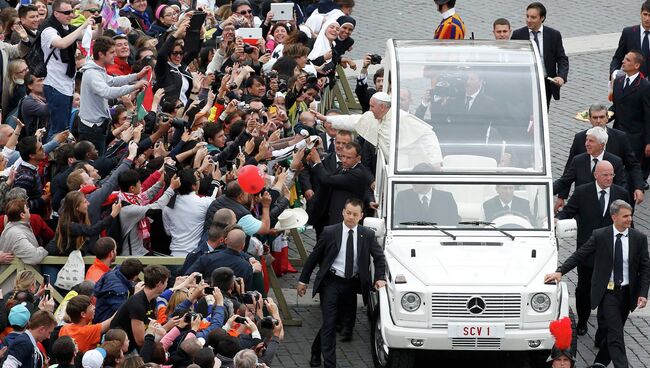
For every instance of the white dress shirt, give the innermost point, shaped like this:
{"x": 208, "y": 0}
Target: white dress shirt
{"x": 626, "y": 256}
{"x": 642, "y": 33}
{"x": 540, "y": 39}
{"x": 339, "y": 262}
{"x": 632, "y": 78}
{"x": 598, "y": 189}
{"x": 426, "y": 196}
{"x": 599, "y": 158}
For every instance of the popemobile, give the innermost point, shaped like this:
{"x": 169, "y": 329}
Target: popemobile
{"x": 468, "y": 231}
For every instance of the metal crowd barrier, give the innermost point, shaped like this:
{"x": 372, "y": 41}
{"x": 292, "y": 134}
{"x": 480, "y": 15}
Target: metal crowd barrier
{"x": 17, "y": 266}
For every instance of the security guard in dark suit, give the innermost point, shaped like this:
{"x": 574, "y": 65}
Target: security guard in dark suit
{"x": 620, "y": 279}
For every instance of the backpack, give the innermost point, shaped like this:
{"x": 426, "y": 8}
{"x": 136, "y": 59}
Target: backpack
{"x": 15, "y": 114}
{"x": 36, "y": 59}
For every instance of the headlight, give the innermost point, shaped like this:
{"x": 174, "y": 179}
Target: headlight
{"x": 411, "y": 302}
{"x": 540, "y": 302}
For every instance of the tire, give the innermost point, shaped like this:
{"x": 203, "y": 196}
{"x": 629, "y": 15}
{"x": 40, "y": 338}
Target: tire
{"x": 394, "y": 358}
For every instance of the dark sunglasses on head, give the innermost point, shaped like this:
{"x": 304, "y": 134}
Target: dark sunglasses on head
{"x": 244, "y": 12}
{"x": 177, "y": 53}
{"x": 66, "y": 12}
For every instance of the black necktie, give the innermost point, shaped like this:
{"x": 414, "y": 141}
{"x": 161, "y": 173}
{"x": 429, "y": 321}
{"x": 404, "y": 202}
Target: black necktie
{"x": 645, "y": 45}
{"x": 536, "y": 40}
{"x": 601, "y": 200}
{"x": 349, "y": 255}
{"x": 618, "y": 260}
{"x": 425, "y": 202}
{"x": 330, "y": 148}
{"x": 595, "y": 160}
{"x": 627, "y": 83}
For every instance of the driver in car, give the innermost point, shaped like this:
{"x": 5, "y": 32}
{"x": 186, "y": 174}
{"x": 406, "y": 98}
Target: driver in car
{"x": 506, "y": 203}
{"x": 423, "y": 202}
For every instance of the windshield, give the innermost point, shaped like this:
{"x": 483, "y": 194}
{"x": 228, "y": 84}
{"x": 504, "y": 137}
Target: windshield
{"x": 477, "y": 103}
{"x": 509, "y": 206}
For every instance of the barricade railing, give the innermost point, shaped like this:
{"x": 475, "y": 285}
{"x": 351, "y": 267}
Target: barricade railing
{"x": 17, "y": 266}
{"x": 341, "y": 93}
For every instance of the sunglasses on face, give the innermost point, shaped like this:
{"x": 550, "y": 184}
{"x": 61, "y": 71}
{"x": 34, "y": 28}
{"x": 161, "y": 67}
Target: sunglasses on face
{"x": 244, "y": 12}
{"x": 177, "y": 53}
{"x": 94, "y": 11}
{"x": 66, "y": 12}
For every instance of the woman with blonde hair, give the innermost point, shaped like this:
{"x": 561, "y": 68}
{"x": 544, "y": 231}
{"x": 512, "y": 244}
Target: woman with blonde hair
{"x": 16, "y": 72}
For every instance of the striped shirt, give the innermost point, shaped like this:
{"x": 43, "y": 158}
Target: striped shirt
{"x": 451, "y": 27}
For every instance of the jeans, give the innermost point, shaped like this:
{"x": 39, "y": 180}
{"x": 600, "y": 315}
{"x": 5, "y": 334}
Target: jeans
{"x": 95, "y": 135}
{"x": 60, "y": 107}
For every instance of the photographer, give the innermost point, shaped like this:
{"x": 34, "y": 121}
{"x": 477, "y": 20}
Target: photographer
{"x": 362, "y": 90}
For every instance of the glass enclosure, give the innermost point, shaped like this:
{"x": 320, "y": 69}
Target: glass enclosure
{"x": 507, "y": 206}
{"x": 468, "y": 107}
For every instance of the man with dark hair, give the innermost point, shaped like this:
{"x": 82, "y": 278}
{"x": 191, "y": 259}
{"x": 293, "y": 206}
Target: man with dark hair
{"x": 59, "y": 39}
{"x": 631, "y": 107}
{"x": 136, "y": 238}
{"x": 81, "y": 311}
{"x": 105, "y": 253}
{"x": 97, "y": 87}
{"x": 215, "y": 136}
{"x": 27, "y": 176}
{"x": 362, "y": 90}
{"x": 452, "y": 26}
{"x": 255, "y": 87}
{"x": 29, "y": 19}
{"x": 133, "y": 316}
{"x": 634, "y": 38}
{"x": 501, "y": 29}
{"x": 549, "y": 44}
{"x": 120, "y": 64}
{"x": 114, "y": 288}
{"x": 64, "y": 350}
{"x": 343, "y": 254}
{"x": 24, "y": 352}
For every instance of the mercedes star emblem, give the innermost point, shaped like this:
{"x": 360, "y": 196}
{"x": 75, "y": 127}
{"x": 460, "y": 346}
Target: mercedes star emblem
{"x": 476, "y": 305}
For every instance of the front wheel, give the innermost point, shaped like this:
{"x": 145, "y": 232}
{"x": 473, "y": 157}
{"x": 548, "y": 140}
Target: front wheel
{"x": 382, "y": 355}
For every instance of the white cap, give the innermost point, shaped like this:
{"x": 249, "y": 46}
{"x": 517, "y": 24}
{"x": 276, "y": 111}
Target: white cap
{"x": 382, "y": 96}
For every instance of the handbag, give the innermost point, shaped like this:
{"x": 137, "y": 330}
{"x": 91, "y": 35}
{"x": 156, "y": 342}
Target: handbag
{"x": 72, "y": 272}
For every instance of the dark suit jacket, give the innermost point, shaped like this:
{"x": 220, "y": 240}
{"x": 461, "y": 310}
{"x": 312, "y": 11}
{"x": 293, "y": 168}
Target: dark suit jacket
{"x": 556, "y": 63}
{"x": 617, "y": 144}
{"x": 630, "y": 40}
{"x": 632, "y": 111}
{"x": 579, "y": 172}
{"x": 601, "y": 246}
{"x": 327, "y": 248}
{"x": 340, "y": 186}
{"x": 583, "y": 206}
{"x": 442, "y": 208}
{"x": 492, "y": 208}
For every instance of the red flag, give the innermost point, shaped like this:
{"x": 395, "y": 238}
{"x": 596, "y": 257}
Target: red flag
{"x": 148, "y": 93}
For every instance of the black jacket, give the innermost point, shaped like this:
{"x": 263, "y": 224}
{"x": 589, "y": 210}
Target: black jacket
{"x": 630, "y": 40}
{"x": 168, "y": 77}
{"x": 601, "y": 246}
{"x": 632, "y": 111}
{"x": 617, "y": 144}
{"x": 556, "y": 63}
{"x": 579, "y": 172}
{"x": 492, "y": 208}
{"x": 583, "y": 206}
{"x": 442, "y": 208}
{"x": 327, "y": 248}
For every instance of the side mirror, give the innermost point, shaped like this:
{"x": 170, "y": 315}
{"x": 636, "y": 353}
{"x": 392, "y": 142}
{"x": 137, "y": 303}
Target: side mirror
{"x": 377, "y": 225}
{"x": 566, "y": 228}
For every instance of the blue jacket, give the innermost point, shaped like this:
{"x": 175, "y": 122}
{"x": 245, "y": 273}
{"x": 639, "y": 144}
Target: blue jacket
{"x": 23, "y": 350}
{"x": 111, "y": 291}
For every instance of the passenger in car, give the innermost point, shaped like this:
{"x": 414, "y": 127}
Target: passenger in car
{"x": 507, "y": 203}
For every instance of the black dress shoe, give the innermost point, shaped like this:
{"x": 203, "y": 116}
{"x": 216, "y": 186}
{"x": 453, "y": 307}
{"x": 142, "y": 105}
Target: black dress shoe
{"x": 314, "y": 361}
{"x": 581, "y": 330}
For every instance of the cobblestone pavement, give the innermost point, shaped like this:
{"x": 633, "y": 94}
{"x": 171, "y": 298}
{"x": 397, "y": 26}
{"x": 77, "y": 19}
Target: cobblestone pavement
{"x": 587, "y": 84}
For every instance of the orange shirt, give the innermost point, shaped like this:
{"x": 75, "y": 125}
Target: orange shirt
{"x": 96, "y": 271}
{"x": 87, "y": 337}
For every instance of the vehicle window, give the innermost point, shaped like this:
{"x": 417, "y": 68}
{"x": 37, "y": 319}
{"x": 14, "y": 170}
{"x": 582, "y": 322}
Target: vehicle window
{"x": 509, "y": 206}
{"x": 466, "y": 109}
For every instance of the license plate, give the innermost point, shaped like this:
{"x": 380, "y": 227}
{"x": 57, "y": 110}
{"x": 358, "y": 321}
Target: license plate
{"x": 476, "y": 330}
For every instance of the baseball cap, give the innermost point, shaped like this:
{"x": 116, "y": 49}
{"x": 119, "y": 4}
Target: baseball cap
{"x": 19, "y": 315}
{"x": 94, "y": 358}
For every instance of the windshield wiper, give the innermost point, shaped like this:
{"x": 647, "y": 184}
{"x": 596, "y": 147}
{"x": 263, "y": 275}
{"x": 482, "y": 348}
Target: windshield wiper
{"x": 431, "y": 224}
{"x": 490, "y": 224}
